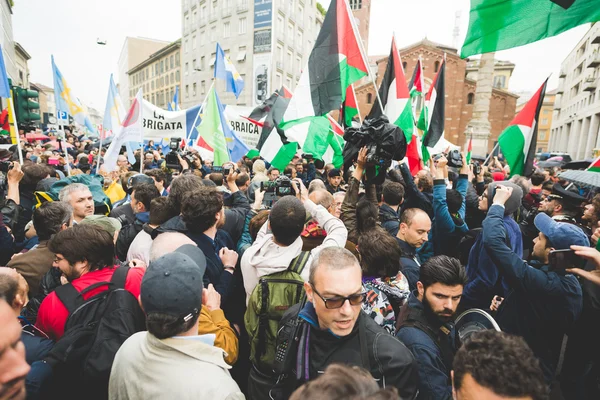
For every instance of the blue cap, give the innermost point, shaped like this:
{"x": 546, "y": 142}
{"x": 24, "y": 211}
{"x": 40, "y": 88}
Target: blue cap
{"x": 561, "y": 235}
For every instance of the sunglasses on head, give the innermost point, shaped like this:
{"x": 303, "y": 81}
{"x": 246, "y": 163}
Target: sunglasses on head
{"x": 338, "y": 301}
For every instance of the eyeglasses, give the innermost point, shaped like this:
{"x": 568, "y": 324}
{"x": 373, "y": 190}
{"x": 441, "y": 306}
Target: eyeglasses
{"x": 338, "y": 301}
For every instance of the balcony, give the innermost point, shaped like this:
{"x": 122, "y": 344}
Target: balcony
{"x": 594, "y": 60}
{"x": 226, "y": 12}
{"x": 595, "y": 38}
{"x": 562, "y": 73}
{"x": 561, "y": 87}
{"x": 590, "y": 84}
{"x": 242, "y": 7}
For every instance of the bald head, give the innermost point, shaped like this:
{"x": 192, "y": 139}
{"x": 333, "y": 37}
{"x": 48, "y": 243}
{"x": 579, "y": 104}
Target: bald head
{"x": 13, "y": 288}
{"x": 168, "y": 242}
{"x": 323, "y": 198}
{"x": 414, "y": 228}
{"x": 315, "y": 184}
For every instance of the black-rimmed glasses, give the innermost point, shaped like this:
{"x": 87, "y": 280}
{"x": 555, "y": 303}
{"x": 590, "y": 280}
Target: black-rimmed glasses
{"x": 338, "y": 301}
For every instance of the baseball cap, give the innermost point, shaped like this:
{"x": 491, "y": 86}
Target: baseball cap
{"x": 173, "y": 283}
{"x": 561, "y": 235}
{"x": 109, "y": 224}
{"x": 334, "y": 172}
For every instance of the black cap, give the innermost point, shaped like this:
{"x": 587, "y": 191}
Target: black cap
{"x": 173, "y": 283}
{"x": 334, "y": 172}
{"x": 565, "y": 197}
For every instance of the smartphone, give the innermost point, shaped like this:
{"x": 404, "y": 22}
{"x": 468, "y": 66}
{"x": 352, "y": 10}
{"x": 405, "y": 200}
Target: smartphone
{"x": 559, "y": 260}
{"x": 52, "y": 161}
{"x": 217, "y": 169}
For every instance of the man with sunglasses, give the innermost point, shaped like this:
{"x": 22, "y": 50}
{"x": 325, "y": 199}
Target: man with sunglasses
{"x": 425, "y": 324}
{"x": 334, "y": 330}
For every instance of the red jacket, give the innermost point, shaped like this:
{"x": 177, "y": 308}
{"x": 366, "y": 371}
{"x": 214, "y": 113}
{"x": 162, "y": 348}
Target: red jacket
{"x": 53, "y": 315}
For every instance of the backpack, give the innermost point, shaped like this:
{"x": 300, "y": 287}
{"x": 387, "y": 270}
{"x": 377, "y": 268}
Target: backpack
{"x": 102, "y": 203}
{"x": 94, "y": 332}
{"x": 269, "y": 300}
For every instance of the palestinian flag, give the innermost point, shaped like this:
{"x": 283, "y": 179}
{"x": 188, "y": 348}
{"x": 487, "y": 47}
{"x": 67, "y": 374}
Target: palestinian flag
{"x": 503, "y": 24}
{"x": 519, "y": 140}
{"x": 321, "y": 136}
{"x": 413, "y": 157}
{"x": 395, "y": 96}
{"x": 417, "y": 84}
{"x": 335, "y": 62}
{"x": 349, "y": 108}
{"x": 469, "y": 151}
{"x": 595, "y": 166}
{"x": 433, "y": 116}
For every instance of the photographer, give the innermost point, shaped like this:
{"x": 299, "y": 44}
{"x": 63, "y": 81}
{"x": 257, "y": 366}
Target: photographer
{"x": 539, "y": 304}
{"x": 448, "y": 208}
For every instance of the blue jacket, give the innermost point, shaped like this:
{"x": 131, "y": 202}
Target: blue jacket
{"x": 540, "y": 305}
{"x": 434, "y": 375}
{"x": 447, "y": 229}
{"x": 410, "y": 264}
{"x": 484, "y": 279}
{"x": 413, "y": 197}
{"x": 390, "y": 219}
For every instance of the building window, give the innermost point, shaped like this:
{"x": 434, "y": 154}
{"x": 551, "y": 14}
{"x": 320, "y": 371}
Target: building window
{"x": 226, "y": 29}
{"x": 299, "y": 34}
{"x": 288, "y": 82}
{"x": 299, "y": 64}
{"x": 193, "y": 65}
{"x": 177, "y": 76}
{"x": 500, "y": 81}
{"x": 279, "y": 80}
{"x": 291, "y": 32}
{"x": 355, "y": 4}
{"x": 194, "y": 89}
{"x": 436, "y": 66}
{"x": 172, "y": 81}
{"x": 185, "y": 69}
{"x": 186, "y": 46}
{"x": 280, "y": 24}
{"x": 177, "y": 60}
{"x": 470, "y": 98}
{"x": 194, "y": 42}
{"x": 203, "y": 87}
{"x": 152, "y": 85}
{"x": 167, "y": 80}
{"x": 369, "y": 98}
{"x": 153, "y": 98}
{"x": 544, "y": 121}
{"x": 242, "y": 26}
{"x": 213, "y": 34}
{"x": 201, "y": 38}
{"x": 404, "y": 65}
{"x": 186, "y": 23}
{"x": 162, "y": 66}
{"x": 290, "y": 61}
{"x": 300, "y": 12}
{"x": 187, "y": 91}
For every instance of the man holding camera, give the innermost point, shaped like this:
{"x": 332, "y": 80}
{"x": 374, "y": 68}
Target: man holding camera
{"x": 541, "y": 300}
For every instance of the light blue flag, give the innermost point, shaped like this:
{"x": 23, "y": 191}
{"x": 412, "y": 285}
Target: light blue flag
{"x": 4, "y": 88}
{"x": 174, "y": 105}
{"x": 66, "y": 101}
{"x": 114, "y": 112}
{"x": 224, "y": 69}
{"x": 236, "y": 147}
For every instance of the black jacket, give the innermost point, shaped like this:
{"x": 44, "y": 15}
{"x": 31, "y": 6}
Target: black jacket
{"x": 126, "y": 236}
{"x": 390, "y": 361}
{"x": 235, "y": 216}
{"x": 124, "y": 213}
{"x": 390, "y": 220}
{"x": 410, "y": 264}
{"x": 541, "y": 306}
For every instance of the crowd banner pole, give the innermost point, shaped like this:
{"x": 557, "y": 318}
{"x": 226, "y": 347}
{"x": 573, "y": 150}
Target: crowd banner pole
{"x": 491, "y": 153}
{"x": 17, "y": 138}
{"x": 187, "y": 138}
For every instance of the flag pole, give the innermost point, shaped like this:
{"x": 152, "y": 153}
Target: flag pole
{"x": 363, "y": 53}
{"x": 357, "y": 107}
{"x": 16, "y": 126}
{"x": 198, "y": 115}
{"x": 99, "y": 150}
{"x": 142, "y": 158}
{"x": 491, "y": 152}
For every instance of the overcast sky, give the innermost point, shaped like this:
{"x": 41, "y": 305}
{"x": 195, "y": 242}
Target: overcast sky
{"x": 69, "y": 29}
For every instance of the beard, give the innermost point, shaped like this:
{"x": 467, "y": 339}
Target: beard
{"x": 444, "y": 316}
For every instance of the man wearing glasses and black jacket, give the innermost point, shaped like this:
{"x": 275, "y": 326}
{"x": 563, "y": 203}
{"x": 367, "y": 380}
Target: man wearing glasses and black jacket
{"x": 335, "y": 330}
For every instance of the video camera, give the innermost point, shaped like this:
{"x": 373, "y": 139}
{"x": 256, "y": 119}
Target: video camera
{"x": 282, "y": 186}
{"x": 454, "y": 158}
{"x": 171, "y": 158}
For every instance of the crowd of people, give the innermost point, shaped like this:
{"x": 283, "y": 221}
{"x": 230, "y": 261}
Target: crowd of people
{"x": 155, "y": 281}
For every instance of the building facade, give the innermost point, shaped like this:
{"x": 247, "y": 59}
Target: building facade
{"x": 545, "y": 119}
{"x": 158, "y": 76}
{"x": 460, "y": 90}
{"x": 21, "y": 63}
{"x": 576, "y": 118}
{"x": 134, "y": 51}
{"x": 268, "y": 42}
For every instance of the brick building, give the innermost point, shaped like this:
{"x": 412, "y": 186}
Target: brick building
{"x": 460, "y": 91}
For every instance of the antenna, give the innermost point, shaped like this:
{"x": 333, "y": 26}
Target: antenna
{"x": 456, "y": 30}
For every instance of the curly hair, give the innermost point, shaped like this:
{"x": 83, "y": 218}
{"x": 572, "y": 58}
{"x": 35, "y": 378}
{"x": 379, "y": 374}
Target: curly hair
{"x": 199, "y": 209}
{"x": 502, "y": 363}
{"x": 379, "y": 253}
{"x": 596, "y": 214}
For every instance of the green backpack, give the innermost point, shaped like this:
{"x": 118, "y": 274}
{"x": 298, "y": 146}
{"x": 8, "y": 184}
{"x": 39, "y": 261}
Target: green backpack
{"x": 270, "y": 299}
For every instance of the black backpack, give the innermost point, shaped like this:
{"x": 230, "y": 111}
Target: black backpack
{"x": 95, "y": 330}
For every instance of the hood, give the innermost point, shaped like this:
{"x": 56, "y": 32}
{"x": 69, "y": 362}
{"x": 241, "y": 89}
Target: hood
{"x": 513, "y": 203}
{"x": 175, "y": 224}
{"x": 267, "y": 257}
